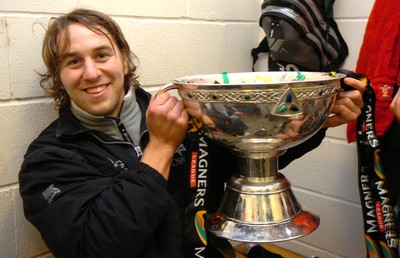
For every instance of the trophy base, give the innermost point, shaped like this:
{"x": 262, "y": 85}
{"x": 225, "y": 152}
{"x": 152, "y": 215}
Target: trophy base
{"x": 300, "y": 225}
{"x": 259, "y": 206}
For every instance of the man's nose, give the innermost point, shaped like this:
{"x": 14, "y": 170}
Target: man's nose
{"x": 92, "y": 71}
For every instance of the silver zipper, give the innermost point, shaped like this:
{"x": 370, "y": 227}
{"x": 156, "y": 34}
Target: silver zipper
{"x": 138, "y": 150}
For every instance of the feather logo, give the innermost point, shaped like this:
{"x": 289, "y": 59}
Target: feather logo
{"x": 199, "y": 222}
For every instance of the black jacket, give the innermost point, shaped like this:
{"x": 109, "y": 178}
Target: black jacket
{"x": 89, "y": 195}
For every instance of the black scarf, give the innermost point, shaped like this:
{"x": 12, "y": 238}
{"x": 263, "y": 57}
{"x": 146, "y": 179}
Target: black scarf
{"x": 381, "y": 237}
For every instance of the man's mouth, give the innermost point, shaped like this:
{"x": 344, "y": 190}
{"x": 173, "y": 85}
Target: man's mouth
{"x": 95, "y": 90}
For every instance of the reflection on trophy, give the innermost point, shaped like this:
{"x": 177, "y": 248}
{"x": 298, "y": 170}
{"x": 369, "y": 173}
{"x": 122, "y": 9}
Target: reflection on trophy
{"x": 258, "y": 116}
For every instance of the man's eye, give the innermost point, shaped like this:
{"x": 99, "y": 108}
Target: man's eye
{"x": 73, "y": 62}
{"x": 102, "y": 55}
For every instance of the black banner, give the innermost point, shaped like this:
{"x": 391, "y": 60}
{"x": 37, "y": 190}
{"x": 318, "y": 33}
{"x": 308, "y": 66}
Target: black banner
{"x": 380, "y": 233}
{"x": 195, "y": 232}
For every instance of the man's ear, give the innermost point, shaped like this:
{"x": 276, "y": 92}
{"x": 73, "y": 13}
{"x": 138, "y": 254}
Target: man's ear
{"x": 125, "y": 62}
{"x": 60, "y": 84}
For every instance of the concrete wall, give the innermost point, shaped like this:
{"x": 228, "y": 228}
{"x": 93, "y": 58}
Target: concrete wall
{"x": 172, "y": 39}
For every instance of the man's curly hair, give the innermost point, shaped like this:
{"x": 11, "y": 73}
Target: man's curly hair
{"x": 53, "y": 49}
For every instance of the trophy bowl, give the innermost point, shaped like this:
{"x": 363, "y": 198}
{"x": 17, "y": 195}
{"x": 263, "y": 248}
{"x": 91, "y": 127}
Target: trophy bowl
{"x": 258, "y": 116}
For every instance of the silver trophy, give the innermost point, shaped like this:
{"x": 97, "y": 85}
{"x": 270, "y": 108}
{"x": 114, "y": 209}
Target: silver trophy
{"x": 258, "y": 116}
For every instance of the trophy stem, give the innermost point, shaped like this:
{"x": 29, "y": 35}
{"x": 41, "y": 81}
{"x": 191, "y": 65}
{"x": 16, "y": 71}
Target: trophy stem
{"x": 259, "y": 206}
{"x": 259, "y": 168}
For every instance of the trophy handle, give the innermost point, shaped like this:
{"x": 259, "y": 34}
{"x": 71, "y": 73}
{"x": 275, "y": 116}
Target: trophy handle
{"x": 168, "y": 87}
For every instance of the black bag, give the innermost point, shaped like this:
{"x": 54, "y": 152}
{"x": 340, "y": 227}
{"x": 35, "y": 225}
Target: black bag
{"x": 301, "y": 35}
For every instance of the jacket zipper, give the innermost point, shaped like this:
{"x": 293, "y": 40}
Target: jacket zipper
{"x": 127, "y": 138}
{"x": 136, "y": 150}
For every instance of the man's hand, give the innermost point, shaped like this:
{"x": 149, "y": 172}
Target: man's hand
{"x": 348, "y": 104}
{"x": 167, "y": 122}
{"x": 395, "y": 105}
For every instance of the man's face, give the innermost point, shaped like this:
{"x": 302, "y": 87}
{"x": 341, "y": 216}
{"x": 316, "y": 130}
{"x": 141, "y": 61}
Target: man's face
{"x": 92, "y": 71}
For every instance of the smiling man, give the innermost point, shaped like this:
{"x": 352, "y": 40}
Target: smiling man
{"x": 94, "y": 182}
{"x": 111, "y": 176}
{"x": 92, "y": 71}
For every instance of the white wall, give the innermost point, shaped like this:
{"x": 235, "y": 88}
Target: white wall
{"x": 172, "y": 39}
{"x": 325, "y": 180}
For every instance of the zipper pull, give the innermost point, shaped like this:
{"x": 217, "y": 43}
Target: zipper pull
{"x": 275, "y": 31}
{"x": 272, "y": 30}
{"x": 138, "y": 151}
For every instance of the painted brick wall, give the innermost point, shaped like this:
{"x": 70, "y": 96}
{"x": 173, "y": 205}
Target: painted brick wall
{"x": 172, "y": 39}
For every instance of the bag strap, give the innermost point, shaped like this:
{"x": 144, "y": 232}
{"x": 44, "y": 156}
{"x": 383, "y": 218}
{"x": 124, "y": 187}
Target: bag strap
{"x": 327, "y": 6}
{"x": 262, "y": 48}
